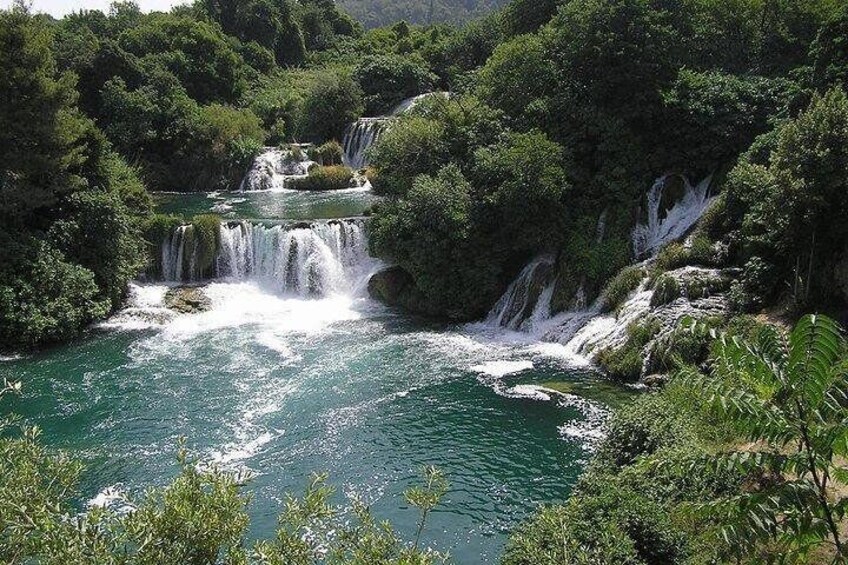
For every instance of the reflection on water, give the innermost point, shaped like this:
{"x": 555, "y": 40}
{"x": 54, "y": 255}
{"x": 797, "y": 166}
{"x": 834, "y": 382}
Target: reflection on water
{"x": 286, "y": 205}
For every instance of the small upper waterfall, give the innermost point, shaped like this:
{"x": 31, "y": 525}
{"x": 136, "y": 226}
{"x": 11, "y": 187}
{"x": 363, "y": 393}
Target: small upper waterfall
{"x": 273, "y": 167}
{"x": 362, "y": 134}
{"x": 321, "y": 259}
{"x": 358, "y": 138}
{"x": 664, "y": 226}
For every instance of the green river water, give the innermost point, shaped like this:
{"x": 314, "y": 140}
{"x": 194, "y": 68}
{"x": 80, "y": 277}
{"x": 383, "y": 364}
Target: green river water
{"x": 285, "y": 386}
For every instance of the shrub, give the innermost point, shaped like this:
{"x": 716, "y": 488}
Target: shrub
{"x": 327, "y": 155}
{"x": 44, "y": 298}
{"x": 666, "y": 291}
{"x": 387, "y": 80}
{"x": 672, "y": 256}
{"x": 625, "y": 363}
{"x": 324, "y": 178}
{"x": 622, "y": 286}
{"x": 687, "y": 344}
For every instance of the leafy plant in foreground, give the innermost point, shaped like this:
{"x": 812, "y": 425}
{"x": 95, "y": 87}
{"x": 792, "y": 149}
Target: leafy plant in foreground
{"x": 785, "y": 393}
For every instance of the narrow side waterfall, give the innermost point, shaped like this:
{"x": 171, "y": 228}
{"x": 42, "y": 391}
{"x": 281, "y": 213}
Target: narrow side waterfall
{"x": 667, "y": 225}
{"x": 358, "y": 138}
{"x": 527, "y": 301}
{"x": 322, "y": 259}
{"x": 273, "y": 167}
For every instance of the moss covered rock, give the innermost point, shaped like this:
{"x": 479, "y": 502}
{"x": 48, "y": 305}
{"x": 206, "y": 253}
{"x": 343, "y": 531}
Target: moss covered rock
{"x": 188, "y": 300}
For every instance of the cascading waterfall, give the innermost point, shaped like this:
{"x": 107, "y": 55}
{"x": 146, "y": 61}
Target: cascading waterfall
{"x": 362, "y": 134}
{"x": 358, "y": 138}
{"x": 173, "y": 249}
{"x": 322, "y": 259}
{"x": 665, "y": 226}
{"x": 526, "y": 304}
{"x": 272, "y": 169}
{"x": 527, "y": 301}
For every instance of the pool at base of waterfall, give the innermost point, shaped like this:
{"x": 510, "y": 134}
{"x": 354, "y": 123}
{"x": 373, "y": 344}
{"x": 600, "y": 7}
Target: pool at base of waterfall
{"x": 284, "y": 386}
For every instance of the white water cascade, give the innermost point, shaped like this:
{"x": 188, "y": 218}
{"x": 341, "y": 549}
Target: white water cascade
{"x": 526, "y": 305}
{"x": 665, "y": 226}
{"x": 527, "y": 301}
{"x": 358, "y": 138}
{"x": 273, "y": 168}
{"x": 362, "y": 134}
{"x": 321, "y": 259}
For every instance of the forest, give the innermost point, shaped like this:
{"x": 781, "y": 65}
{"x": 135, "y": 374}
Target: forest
{"x": 559, "y": 112}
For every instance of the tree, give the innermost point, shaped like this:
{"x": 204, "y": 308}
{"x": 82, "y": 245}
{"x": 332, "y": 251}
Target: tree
{"x": 786, "y": 394}
{"x": 387, "y": 80}
{"x": 787, "y": 210}
{"x": 42, "y": 135}
{"x": 332, "y": 102}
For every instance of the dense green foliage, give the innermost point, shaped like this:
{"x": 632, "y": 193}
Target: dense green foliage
{"x": 72, "y": 208}
{"x": 737, "y": 465}
{"x": 622, "y": 92}
{"x": 334, "y": 177}
{"x": 376, "y": 13}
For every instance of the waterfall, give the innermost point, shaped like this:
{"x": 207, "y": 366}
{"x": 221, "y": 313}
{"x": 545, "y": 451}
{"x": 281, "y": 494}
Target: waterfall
{"x": 362, "y": 134}
{"x": 358, "y": 138}
{"x": 527, "y": 301}
{"x": 172, "y": 254}
{"x": 599, "y": 332}
{"x": 665, "y": 226}
{"x": 272, "y": 169}
{"x": 321, "y": 259}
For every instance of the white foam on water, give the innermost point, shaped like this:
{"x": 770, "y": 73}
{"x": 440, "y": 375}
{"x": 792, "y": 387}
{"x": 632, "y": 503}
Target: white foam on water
{"x": 237, "y": 452}
{"x": 275, "y": 342}
{"x": 499, "y": 369}
{"x": 145, "y": 309}
{"x": 248, "y": 303}
{"x": 591, "y": 429}
{"x": 529, "y": 392}
{"x": 112, "y": 498}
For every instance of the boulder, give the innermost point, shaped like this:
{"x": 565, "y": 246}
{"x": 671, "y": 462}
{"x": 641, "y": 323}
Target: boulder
{"x": 395, "y": 287}
{"x": 188, "y": 300}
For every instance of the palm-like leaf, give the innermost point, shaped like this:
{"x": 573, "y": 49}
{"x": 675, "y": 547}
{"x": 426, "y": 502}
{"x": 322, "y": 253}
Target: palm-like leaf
{"x": 788, "y": 395}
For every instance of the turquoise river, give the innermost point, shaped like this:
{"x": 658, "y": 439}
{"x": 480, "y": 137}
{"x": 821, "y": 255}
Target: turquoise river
{"x": 283, "y": 386}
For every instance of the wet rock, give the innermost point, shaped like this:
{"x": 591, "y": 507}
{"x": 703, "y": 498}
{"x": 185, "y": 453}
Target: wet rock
{"x": 188, "y": 300}
{"x": 395, "y": 287}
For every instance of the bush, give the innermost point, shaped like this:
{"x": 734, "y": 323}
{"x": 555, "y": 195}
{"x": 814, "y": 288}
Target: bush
{"x": 412, "y": 146}
{"x": 625, "y": 363}
{"x": 387, "y": 80}
{"x": 642, "y": 428}
{"x": 672, "y": 256}
{"x": 44, "y": 298}
{"x": 666, "y": 291}
{"x": 332, "y": 101}
{"x": 619, "y": 289}
{"x": 324, "y": 178}
{"x": 329, "y": 154}
{"x": 687, "y": 344}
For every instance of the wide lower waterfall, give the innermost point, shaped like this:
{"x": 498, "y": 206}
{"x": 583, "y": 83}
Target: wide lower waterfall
{"x": 665, "y": 226}
{"x": 358, "y": 138}
{"x": 321, "y": 259}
